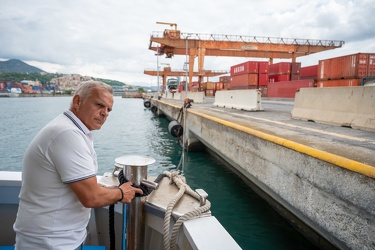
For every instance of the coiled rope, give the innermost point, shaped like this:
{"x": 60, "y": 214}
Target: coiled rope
{"x": 170, "y": 241}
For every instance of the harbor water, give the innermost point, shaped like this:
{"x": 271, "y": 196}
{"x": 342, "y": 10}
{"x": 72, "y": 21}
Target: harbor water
{"x": 132, "y": 129}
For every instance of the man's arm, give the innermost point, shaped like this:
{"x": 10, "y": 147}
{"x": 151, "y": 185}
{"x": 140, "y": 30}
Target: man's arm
{"x": 93, "y": 195}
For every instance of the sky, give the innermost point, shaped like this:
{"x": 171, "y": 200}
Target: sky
{"x": 110, "y": 39}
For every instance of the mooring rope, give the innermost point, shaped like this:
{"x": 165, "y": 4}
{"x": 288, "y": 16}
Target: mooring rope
{"x": 170, "y": 240}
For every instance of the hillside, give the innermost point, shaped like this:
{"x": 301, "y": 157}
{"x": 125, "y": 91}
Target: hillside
{"x": 17, "y": 66}
{"x": 15, "y": 70}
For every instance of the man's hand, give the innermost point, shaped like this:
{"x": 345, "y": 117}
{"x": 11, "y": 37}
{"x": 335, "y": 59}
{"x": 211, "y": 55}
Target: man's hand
{"x": 129, "y": 192}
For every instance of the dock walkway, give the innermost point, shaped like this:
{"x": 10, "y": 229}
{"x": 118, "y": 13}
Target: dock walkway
{"x": 320, "y": 175}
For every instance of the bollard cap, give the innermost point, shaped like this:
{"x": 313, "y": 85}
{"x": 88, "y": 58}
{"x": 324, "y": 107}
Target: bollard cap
{"x": 134, "y": 160}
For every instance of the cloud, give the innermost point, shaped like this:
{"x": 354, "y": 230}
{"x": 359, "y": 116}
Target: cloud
{"x": 110, "y": 39}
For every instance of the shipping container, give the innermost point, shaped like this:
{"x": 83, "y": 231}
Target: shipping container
{"x": 210, "y": 92}
{"x": 263, "y": 68}
{"x": 287, "y": 89}
{"x": 294, "y": 77}
{"x": 194, "y": 84}
{"x": 219, "y": 86}
{"x": 295, "y": 68}
{"x": 203, "y": 85}
{"x": 244, "y": 68}
{"x": 279, "y": 68}
{"x": 210, "y": 85}
{"x": 263, "y": 79}
{"x": 238, "y": 87}
{"x": 15, "y": 85}
{"x": 309, "y": 71}
{"x": 224, "y": 79}
{"x": 338, "y": 83}
{"x": 244, "y": 80}
{"x": 3, "y": 86}
{"x": 347, "y": 67}
{"x": 279, "y": 78}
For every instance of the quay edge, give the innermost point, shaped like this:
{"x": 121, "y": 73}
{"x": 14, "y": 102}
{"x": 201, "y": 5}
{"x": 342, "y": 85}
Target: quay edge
{"x": 331, "y": 205}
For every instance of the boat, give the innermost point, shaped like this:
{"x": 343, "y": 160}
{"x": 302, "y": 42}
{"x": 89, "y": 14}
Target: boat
{"x": 15, "y": 92}
{"x": 172, "y": 216}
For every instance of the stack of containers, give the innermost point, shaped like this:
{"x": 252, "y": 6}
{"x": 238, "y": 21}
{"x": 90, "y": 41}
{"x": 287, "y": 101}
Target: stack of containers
{"x": 346, "y": 70}
{"x": 263, "y": 77}
{"x": 285, "y": 80}
{"x": 244, "y": 75}
{"x": 279, "y": 72}
{"x": 295, "y": 68}
{"x": 219, "y": 86}
{"x": 225, "y": 80}
{"x": 210, "y": 88}
{"x": 194, "y": 86}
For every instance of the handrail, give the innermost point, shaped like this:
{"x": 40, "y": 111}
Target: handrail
{"x": 255, "y": 39}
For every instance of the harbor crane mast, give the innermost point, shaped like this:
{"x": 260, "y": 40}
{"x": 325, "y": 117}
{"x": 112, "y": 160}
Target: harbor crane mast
{"x": 172, "y": 42}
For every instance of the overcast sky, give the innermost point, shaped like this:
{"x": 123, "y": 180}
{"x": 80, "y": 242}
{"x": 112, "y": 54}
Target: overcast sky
{"x": 110, "y": 39}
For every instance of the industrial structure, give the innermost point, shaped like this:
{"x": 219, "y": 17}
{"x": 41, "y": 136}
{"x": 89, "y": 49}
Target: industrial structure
{"x": 172, "y": 42}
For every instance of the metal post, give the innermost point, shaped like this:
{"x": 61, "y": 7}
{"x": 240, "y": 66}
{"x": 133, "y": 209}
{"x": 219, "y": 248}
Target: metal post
{"x": 186, "y": 64}
{"x": 135, "y": 170}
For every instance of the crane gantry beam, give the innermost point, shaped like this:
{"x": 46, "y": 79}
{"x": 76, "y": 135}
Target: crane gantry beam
{"x": 173, "y": 42}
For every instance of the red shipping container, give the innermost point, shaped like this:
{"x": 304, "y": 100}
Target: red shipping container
{"x": 294, "y": 77}
{"x": 279, "y": 78}
{"x": 263, "y": 67}
{"x": 244, "y": 68}
{"x": 288, "y": 89}
{"x": 309, "y": 71}
{"x": 279, "y": 68}
{"x": 237, "y": 87}
{"x": 244, "y": 80}
{"x": 263, "y": 79}
{"x": 219, "y": 86}
{"x": 338, "y": 83}
{"x": 347, "y": 67}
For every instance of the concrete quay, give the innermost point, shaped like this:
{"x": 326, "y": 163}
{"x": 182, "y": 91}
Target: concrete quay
{"x": 320, "y": 177}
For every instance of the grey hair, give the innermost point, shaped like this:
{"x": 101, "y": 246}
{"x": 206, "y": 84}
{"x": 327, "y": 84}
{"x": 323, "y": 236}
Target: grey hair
{"x": 85, "y": 88}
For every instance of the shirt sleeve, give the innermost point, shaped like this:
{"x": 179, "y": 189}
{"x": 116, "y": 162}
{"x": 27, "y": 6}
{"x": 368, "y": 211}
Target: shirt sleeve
{"x": 73, "y": 156}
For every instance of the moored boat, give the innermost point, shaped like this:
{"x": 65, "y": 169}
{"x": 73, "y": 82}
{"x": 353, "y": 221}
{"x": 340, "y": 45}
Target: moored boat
{"x": 171, "y": 217}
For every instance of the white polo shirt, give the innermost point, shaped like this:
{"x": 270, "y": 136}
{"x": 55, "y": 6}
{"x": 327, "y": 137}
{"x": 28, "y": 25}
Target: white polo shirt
{"x": 50, "y": 216}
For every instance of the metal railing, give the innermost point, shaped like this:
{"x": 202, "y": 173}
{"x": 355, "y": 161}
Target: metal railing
{"x": 255, "y": 39}
{"x": 183, "y": 70}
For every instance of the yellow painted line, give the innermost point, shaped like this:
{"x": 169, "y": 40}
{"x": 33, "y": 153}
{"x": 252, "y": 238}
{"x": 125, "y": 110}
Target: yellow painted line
{"x": 309, "y": 129}
{"x": 170, "y": 104}
{"x": 340, "y": 161}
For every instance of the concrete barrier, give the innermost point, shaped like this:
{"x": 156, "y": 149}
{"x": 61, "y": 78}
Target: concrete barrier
{"x": 343, "y": 106}
{"x": 246, "y": 99}
{"x": 177, "y": 96}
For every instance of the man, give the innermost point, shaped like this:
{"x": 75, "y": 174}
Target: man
{"x": 59, "y": 184}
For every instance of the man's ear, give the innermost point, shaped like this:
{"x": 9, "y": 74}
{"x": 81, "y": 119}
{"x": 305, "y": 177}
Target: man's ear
{"x": 76, "y": 101}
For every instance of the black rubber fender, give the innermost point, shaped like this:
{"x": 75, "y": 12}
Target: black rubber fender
{"x": 154, "y": 109}
{"x": 147, "y": 103}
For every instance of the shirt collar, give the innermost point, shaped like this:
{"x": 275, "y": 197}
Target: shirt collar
{"x": 77, "y": 122}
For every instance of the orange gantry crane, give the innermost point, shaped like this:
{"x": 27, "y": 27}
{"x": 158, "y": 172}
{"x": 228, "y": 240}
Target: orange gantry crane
{"x": 172, "y": 42}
